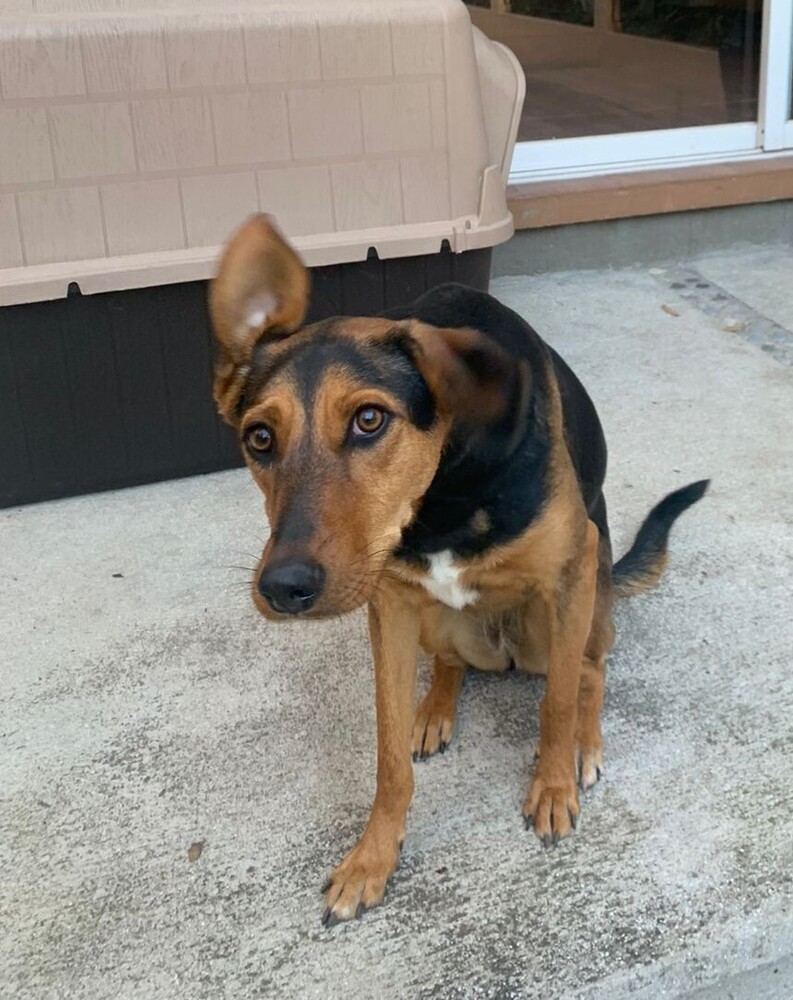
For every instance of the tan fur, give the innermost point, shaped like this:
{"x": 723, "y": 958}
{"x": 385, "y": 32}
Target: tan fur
{"x": 480, "y": 522}
{"x": 434, "y": 721}
{"x": 359, "y": 514}
{"x": 257, "y": 263}
{"x": 452, "y": 382}
{"x": 544, "y": 599}
{"x": 545, "y": 605}
{"x": 360, "y": 879}
{"x": 648, "y": 579}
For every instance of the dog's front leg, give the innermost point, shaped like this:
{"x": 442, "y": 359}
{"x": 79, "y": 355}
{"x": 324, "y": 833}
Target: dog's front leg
{"x": 360, "y": 880}
{"x": 552, "y": 803}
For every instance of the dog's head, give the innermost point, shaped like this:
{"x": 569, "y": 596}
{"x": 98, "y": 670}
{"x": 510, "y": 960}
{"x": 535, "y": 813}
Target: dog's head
{"x": 342, "y": 423}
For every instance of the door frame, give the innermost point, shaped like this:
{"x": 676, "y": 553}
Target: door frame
{"x": 775, "y": 128}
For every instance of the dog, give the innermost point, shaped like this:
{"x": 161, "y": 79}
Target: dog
{"x": 442, "y": 465}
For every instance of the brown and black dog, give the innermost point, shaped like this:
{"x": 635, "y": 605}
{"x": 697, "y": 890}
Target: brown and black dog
{"x": 442, "y": 465}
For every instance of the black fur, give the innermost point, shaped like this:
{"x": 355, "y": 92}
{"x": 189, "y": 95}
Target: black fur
{"x": 510, "y": 486}
{"x": 309, "y": 357}
{"x": 501, "y": 471}
{"x": 640, "y": 562}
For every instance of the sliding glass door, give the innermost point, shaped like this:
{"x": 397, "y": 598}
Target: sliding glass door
{"x": 622, "y": 84}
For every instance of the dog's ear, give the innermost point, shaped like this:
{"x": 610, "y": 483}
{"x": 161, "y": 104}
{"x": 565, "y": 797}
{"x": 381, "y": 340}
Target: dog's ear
{"x": 470, "y": 376}
{"x": 261, "y": 285}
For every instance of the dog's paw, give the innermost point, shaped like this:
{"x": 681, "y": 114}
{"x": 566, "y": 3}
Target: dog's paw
{"x": 359, "y": 882}
{"x": 590, "y": 766}
{"x": 552, "y": 809}
{"x": 432, "y": 728}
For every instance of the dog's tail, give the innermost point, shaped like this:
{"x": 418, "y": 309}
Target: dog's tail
{"x": 642, "y": 565}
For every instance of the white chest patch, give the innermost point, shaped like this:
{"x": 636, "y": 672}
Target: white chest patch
{"x": 443, "y": 582}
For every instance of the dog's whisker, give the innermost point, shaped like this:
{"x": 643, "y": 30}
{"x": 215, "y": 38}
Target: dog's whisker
{"x": 325, "y": 542}
{"x": 244, "y": 554}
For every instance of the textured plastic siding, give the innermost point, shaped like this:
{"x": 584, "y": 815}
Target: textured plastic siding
{"x": 135, "y": 136}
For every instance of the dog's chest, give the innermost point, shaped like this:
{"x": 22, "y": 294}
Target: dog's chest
{"x": 443, "y": 582}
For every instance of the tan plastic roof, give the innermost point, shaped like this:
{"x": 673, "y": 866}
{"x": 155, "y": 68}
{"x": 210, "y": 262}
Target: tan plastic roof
{"x": 134, "y": 135}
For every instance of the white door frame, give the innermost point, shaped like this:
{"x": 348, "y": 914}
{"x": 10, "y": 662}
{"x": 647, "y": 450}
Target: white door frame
{"x": 774, "y": 125}
{"x": 601, "y": 154}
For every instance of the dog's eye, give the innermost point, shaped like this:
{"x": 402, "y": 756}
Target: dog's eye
{"x": 368, "y": 420}
{"x": 260, "y": 439}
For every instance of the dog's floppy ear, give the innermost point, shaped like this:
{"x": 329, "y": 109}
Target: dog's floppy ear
{"x": 261, "y": 285}
{"x": 470, "y": 376}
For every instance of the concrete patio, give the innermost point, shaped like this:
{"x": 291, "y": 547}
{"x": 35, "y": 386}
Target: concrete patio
{"x": 177, "y": 776}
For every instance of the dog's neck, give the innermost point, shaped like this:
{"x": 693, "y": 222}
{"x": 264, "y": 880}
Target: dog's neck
{"x": 482, "y": 495}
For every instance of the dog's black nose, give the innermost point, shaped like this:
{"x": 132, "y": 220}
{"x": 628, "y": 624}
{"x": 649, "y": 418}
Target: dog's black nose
{"x": 291, "y": 587}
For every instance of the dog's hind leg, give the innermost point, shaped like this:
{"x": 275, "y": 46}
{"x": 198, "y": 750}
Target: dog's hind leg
{"x": 434, "y": 723}
{"x": 593, "y": 674}
{"x": 551, "y": 805}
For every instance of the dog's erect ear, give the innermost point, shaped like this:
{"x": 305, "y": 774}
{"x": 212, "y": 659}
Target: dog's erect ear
{"x": 261, "y": 285}
{"x": 470, "y": 376}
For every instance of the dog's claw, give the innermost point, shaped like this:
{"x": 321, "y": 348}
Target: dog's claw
{"x": 574, "y": 820}
{"x": 528, "y": 821}
{"x": 589, "y": 768}
{"x": 326, "y": 886}
{"x": 433, "y": 725}
{"x": 360, "y": 881}
{"x": 329, "y": 918}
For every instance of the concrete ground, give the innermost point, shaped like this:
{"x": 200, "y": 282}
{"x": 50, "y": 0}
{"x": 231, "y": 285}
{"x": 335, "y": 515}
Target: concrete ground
{"x": 177, "y": 776}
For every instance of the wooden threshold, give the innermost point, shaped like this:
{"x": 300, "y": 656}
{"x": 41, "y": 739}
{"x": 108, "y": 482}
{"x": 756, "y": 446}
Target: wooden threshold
{"x": 652, "y": 192}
